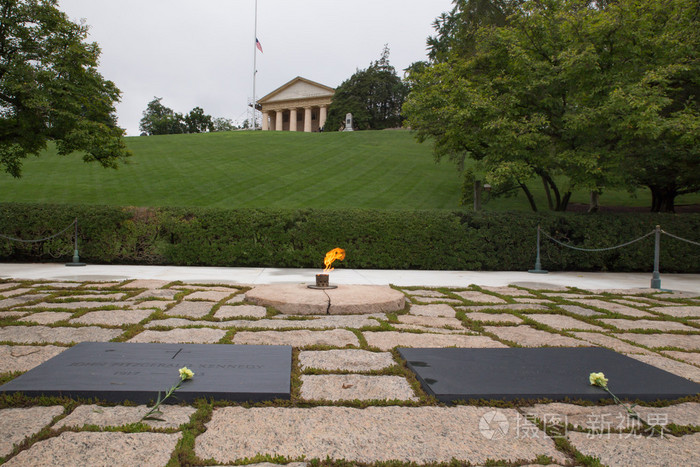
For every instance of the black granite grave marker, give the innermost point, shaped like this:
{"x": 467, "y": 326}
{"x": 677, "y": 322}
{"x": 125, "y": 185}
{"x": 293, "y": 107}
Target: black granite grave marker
{"x": 116, "y": 372}
{"x": 553, "y": 373}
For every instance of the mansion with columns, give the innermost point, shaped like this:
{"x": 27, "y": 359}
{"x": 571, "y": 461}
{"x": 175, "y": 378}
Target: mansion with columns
{"x": 299, "y": 105}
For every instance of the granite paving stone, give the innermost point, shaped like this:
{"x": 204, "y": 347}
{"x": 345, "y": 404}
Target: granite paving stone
{"x": 17, "y": 424}
{"x": 213, "y": 288}
{"x": 616, "y": 308}
{"x": 677, "y": 294}
{"x": 594, "y": 418}
{"x": 407, "y": 434}
{"x": 167, "y": 294}
{"x": 539, "y": 301}
{"x": 415, "y": 327}
{"x": 530, "y": 337}
{"x": 493, "y": 317}
{"x": 627, "y": 324}
{"x": 104, "y": 449}
{"x": 182, "y": 322}
{"x": 236, "y": 299}
{"x": 26, "y": 357}
{"x": 94, "y": 295}
{"x": 355, "y": 387}
{"x": 690, "y": 357}
{"x": 610, "y": 342}
{"x": 173, "y": 416}
{"x": 507, "y": 306}
{"x": 513, "y": 291}
{"x": 620, "y": 450}
{"x": 480, "y": 297}
{"x": 228, "y": 311}
{"x": 159, "y": 304}
{"x": 632, "y": 303}
{"x": 442, "y": 310}
{"x": 345, "y": 360}
{"x": 679, "y": 311}
{"x": 145, "y": 284}
{"x": 102, "y": 285}
{"x": 426, "y": 293}
{"x": 12, "y": 314}
{"x": 684, "y": 370}
{"x": 656, "y": 341}
{"x": 579, "y": 310}
{"x": 14, "y": 292}
{"x": 46, "y": 317}
{"x": 432, "y": 321}
{"x": 632, "y": 292}
{"x": 302, "y": 338}
{"x": 210, "y": 295}
{"x": 561, "y": 322}
{"x": 437, "y": 300}
{"x": 91, "y": 305}
{"x": 113, "y": 317}
{"x": 8, "y": 285}
{"x": 17, "y": 301}
{"x": 181, "y": 336}
{"x": 190, "y": 309}
{"x": 387, "y": 340}
{"x": 64, "y": 335}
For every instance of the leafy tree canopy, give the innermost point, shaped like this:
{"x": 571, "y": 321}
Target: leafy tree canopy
{"x": 50, "y": 89}
{"x": 567, "y": 92}
{"x": 161, "y": 120}
{"x": 374, "y": 97}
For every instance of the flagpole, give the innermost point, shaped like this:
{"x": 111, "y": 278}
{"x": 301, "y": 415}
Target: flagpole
{"x": 255, "y": 65}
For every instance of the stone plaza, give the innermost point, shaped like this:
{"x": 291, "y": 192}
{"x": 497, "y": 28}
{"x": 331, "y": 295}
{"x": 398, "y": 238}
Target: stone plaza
{"x": 353, "y": 398}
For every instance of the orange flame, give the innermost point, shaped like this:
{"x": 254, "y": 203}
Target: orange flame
{"x": 336, "y": 253}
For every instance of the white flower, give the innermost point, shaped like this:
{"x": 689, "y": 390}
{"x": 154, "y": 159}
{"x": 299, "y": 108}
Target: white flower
{"x": 598, "y": 379}
{"x": 186, "y": 373}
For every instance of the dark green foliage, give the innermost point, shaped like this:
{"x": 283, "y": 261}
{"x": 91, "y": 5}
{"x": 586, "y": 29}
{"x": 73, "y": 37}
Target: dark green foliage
{"x": 426, "y": 240}
{"x": 374, "y": 97}
{"x": 50, "y": 89}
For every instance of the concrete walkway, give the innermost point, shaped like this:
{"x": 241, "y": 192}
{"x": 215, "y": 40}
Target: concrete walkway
{"x": 255, "y": 276}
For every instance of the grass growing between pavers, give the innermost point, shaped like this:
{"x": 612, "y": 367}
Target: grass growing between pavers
{"x": 184, "y": 452}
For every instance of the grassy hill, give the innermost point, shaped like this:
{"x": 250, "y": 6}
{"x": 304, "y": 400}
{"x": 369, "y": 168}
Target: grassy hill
{"x": 364, "y": 169}
{"x": 386, "y": 169}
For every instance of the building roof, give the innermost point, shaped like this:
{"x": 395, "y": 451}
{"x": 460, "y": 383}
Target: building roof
{"x": 298, "y": 88}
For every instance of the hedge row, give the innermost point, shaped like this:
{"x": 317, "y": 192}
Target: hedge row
{"x": 427, "y": 240}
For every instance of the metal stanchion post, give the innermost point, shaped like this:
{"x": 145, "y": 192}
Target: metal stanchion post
{"x": 538, "y": 265}
{"x": 656, "y": 276}
{"x": 76, "y": 257}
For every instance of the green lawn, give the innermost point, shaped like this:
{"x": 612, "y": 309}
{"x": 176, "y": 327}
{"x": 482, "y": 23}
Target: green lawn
{"x": 386, "y": 169}
{"x": 368, "y": 169}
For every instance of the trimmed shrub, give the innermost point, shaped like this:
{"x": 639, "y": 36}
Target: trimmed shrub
{"x": 373, "y": 239}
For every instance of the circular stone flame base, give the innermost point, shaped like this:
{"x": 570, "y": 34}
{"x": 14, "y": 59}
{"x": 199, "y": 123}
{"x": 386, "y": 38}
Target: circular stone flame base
{"x": 300, "y": 299}
{"x": 324, "y": 287}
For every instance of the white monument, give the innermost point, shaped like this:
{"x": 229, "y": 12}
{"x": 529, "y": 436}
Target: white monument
{"x": 348, "y": 122}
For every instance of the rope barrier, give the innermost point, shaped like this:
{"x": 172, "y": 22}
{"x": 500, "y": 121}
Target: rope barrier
{"x": 599, "y": 249}
{"x": 679, "y": 238}
{"x": 76, "y": 257}
{"x": 40, "y": 239}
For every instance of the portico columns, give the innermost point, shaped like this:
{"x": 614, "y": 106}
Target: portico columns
{"x": 279, "y": 122}
{"x": 322, "y": 117}
{"x": 307, "y": 119}
{"x": 265, "y": 124}
{"x": 293, "y": 120}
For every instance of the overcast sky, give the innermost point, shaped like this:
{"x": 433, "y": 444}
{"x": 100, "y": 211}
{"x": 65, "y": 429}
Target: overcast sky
{"x": 200, "y": 52}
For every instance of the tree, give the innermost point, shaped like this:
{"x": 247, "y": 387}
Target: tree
{"x": 161, "y": 120}
{"x": 223, "y": 124}
{"x": 374, "y": 97}
{"x": 569, "y": 92}
{"x": 198, "y": 122}
{"x": 50, "y": 89}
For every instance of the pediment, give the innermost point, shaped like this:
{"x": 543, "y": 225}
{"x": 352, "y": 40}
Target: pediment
{"x": 296, "y": 89}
